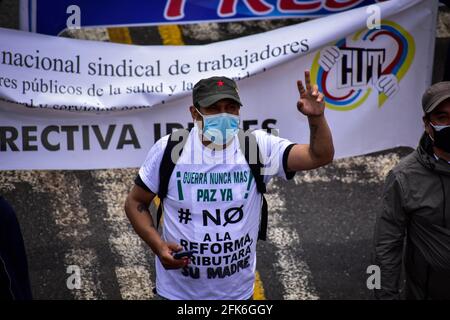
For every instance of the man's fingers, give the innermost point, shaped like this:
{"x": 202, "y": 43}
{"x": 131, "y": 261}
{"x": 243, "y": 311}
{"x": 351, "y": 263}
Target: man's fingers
{"x": 308, "y": 81}
{"x": 176, "y": 264}
{"x": 174, "y": 247}
{"x": 180, "y": 263}
{"x": 320, "y": 98}
{"x": 309, "y": 92}
{"x": 301, "y": 88}
{"x": 315, "y": 91}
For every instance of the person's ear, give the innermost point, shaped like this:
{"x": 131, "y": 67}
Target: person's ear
{"x": 194, "y": 113}
{"x": 428, "y": 129}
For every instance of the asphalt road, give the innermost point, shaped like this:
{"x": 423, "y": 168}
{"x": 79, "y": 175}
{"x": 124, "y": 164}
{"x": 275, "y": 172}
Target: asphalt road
{"x": 319, "y": 241}
{"x": 320, "y": 224}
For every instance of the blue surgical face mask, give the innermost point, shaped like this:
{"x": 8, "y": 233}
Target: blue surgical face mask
{"x": 220, "y": 128}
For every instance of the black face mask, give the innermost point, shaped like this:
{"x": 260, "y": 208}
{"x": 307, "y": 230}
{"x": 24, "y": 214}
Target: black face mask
{"x": 441, "y": 137}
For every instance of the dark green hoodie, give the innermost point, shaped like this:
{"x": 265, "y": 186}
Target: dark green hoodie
{"x": 415, "y": 213}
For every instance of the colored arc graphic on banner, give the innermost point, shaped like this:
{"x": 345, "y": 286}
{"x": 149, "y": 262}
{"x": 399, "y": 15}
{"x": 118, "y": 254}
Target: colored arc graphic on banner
{"x": 399, "y": 65}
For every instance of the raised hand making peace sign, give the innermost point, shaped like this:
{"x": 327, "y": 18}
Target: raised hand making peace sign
{"x": 311, "y": 102}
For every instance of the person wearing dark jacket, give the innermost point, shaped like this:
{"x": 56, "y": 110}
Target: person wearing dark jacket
{"x": 14, "y": 279}
{"x": 413, "y": 227}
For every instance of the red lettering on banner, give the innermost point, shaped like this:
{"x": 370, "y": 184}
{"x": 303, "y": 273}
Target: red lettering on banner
{"x": 174, "y": 9}
{"x": 339, "y": 5}
{"x": 294, "y": 6}
{"x": 227, "y": 8}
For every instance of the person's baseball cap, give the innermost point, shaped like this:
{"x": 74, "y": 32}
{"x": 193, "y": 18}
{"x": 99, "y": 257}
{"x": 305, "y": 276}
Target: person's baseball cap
{"x": 208, "y": 91}
{"x": 434, "y": 95}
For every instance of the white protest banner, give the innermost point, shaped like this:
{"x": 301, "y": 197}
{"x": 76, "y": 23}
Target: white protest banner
{"x": 60, "y": 98}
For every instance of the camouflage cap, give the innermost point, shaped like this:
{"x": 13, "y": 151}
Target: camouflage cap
{"x": 208, "y": 91}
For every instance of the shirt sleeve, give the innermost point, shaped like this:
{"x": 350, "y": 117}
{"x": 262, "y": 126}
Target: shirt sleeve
{"x": 390, "y": 230}
{"x": 274, "y": 151}
{"x": 149, "y": 171}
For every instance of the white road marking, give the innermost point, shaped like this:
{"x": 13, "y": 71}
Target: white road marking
{"x": 87, "y": 260}
{"x": 134, "y": 282}
{"x": 203, "y": 31}
{"x": 133, "y": 271}
{"x": 293, "y": 272}
{"x": 375, "y": 170}
{"x": 96, "y": 34}
{"x": 72, "y": 220}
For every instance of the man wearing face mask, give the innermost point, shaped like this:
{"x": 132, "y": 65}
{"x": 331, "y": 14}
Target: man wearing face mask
{"x": 211, "y": 199}
{"x": 416, "y": 209}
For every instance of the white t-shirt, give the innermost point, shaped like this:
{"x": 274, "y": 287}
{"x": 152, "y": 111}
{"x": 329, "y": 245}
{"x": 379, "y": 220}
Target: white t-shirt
{"x": 212, "y": 207}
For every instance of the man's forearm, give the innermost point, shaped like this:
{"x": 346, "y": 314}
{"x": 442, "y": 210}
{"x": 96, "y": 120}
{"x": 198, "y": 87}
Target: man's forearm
{"x": 389, "y": 236}
{"x": 388, "y": 257}
{"x": 142, "y": 222}
{"x": 321, "y": 141}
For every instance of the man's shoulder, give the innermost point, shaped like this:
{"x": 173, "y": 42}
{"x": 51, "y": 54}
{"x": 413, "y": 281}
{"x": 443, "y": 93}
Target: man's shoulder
{"x": 161, "y": 143}
{"x": 176, "y": 136}
{"x": 409, "y": 172}
{"x": 259, "y": 132}
{"x": 262, "y": 135}
{"x": 157, "y": 150}
{"x": 408, "y": 165}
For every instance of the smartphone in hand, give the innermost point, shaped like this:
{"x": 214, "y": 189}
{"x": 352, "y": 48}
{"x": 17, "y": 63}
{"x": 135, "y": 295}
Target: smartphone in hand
{"x": 182, "y": 254}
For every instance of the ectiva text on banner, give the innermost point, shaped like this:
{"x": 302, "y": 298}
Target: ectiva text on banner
{"x": 72, "y": 104}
